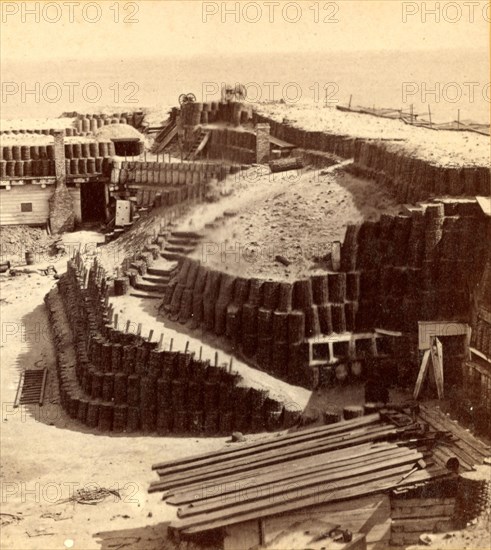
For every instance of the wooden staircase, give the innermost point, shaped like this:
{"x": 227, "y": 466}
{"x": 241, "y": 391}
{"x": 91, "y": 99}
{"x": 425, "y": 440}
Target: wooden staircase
{"x": 198, "y": 144}
{"x": 164, "y": 138}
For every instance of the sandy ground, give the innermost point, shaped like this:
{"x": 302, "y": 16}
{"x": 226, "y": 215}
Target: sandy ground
{"x": 144, "y": 311}
{"x": 298, "y": 215}
{"x": 439, "y": 147}
{"x": 35, "y": 123}
{"x": 46, "y": 456}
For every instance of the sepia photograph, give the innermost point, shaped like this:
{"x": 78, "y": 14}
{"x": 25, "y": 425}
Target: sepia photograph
{"x": 245, "y": 275}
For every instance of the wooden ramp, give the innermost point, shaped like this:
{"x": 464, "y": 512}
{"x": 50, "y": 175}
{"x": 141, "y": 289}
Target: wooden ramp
{"x": 164, "y": 138}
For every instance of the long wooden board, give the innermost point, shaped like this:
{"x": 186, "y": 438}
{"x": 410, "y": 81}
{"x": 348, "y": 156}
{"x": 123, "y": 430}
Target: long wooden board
{"x": 365, "y": 489}
{"x": 278, "y": 441}
{"x": 224, "y": 486}
{"x": 270, "y": 460}
{"x": 283, "y": 451}
{"x": 260, "y": 454}
{"x": 323, "y": 494}
{"x": 289, "y": 470}
{"x": 305, "y": 484}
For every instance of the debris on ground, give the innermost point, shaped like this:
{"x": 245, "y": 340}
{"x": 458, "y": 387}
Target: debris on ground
{"x": 91, "y": 496}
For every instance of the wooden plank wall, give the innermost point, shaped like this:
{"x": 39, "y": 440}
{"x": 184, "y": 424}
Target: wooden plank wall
{"x": 10, "y": 201}
{"x": 368, "y": 515}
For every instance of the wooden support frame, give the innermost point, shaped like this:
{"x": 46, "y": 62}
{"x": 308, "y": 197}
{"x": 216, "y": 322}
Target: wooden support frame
{"x": 433, "y": 356}
{"x": 350, "y": 337}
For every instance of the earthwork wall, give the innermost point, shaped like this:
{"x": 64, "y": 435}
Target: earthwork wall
{"x": 422, "y": 265}
{"x": 121, "y": 382}
{"x": 410, "y": 178}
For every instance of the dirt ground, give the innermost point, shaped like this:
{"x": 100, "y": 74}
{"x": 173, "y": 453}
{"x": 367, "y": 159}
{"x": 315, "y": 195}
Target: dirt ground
{"x": 441, "y": 147}
{"x": 46, "y": 456}
{"x": 298, "y": 216}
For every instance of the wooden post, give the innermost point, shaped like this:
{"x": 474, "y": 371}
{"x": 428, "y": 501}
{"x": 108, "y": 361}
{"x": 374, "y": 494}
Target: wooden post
{"x": 458, "y": 119}
{"x": 200, "y": 352}
{"x": 116, "y": 321}
{"x": 171, "y": 344}
{"x": 422, "y": 373}
{"x": 412, "y": 113}
{"x": 139, "y": 329}
{"x": 429, "y": 114}
{"x": 128, "y": 322}
{"x": 161, "y": 341}
{"x": 150, "y": 335}
{"x": 350, "y": 98}
{"x": 216, "y": 358}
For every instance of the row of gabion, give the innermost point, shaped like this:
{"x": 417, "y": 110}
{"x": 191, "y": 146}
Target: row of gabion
{"x": 126, "y": 384}
{"x": 415, "y": 179}
{"x": 267, "y": 320}
{"x": 87, "y": 149}
{"x": 46, "y": 168}
{"x": 172, "y": 173}
{"x": 236, "y": 113}
{"x": 41, "y": 131}
{"x": 416, "y": 267}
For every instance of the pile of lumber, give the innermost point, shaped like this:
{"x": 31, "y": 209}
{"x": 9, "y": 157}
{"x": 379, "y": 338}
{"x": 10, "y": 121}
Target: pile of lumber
{"x": 469, "y": 450}
{"x": 350, "y": 459}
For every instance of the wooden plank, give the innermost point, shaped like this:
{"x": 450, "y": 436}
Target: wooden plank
{"x": 422, "y": 373}
{"x": 19, "y": 388}
{"x": 345, "y": 425}
{"x": 436, "y": 351}
{"x": 323, "y": 494}
{"x": 304, "y": 485}
{"x": 365, "y": 485}
{"x": 434, "y": 524}
{"x": 401, "y": 502}
{"x": 447, "y": 424}
{"x": 315, "y": 445}
{"x": 334, "y": 456}
{"x": 255, "y": 482}
{"x": 333, "y": 460}
{"x": 423, "y": 512}
{"x": 270, "y": 460}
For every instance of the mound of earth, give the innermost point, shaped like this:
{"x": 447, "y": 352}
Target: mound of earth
{"x": 118, "y": 131}
{"x": 441, "y": 147}
{"x": 16, "y": 240}
{"x": 300, "y": 217}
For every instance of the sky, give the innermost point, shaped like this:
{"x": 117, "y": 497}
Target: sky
{"x": 108, "y": 29}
